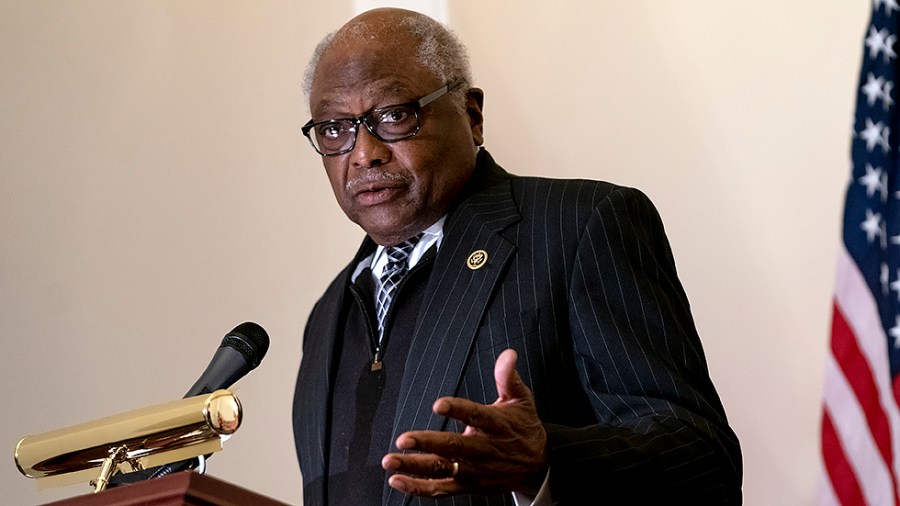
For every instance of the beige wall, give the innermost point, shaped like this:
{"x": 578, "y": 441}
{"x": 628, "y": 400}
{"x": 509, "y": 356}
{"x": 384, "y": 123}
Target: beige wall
{"x": 155, "y": 191}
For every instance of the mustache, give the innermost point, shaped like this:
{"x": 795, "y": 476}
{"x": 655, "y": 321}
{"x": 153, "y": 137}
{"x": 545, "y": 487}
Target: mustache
{"x": 376, "y": 176}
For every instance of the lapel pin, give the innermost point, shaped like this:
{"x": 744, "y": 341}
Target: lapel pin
{"x": 477, "y": 259}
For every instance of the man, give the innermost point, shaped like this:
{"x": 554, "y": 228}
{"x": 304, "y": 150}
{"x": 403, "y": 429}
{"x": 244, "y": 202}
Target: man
{"x": 496, "y": 338}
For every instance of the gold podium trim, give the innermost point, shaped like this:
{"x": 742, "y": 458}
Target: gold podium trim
{"x": 131, "y": 441}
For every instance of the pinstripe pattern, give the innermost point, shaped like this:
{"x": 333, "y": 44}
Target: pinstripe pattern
{"x": 581, "y": 282}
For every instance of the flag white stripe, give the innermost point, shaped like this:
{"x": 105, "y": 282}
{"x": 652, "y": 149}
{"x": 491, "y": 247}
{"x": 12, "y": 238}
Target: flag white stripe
{"x": 858, "y": 306}
{"x": 850, "y": 424}
{"x": 824, "y": 491}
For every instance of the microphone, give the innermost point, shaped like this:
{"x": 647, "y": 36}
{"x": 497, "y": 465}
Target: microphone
{"x": 240, "y": 352}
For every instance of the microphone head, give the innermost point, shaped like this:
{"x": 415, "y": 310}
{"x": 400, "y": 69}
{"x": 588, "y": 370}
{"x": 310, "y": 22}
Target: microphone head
{"x": 250, "y": 340}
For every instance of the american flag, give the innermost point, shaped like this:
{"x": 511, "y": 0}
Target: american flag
{"x": 861, "y": 418}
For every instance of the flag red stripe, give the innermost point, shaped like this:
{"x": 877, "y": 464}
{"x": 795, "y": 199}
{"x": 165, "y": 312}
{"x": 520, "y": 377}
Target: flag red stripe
{"x": 855, "y": 367}
{"x": 840, "y": 473}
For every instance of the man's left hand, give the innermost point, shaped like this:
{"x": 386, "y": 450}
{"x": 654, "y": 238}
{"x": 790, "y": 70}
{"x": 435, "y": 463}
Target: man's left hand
{"x": 503, "y": 448}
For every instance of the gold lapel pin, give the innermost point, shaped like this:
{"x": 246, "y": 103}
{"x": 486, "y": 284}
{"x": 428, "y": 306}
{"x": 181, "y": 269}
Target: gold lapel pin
{"x": 477, "y": 259}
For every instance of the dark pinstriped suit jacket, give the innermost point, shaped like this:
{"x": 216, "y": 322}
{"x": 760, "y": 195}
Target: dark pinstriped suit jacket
{"x": 581, "y": 281}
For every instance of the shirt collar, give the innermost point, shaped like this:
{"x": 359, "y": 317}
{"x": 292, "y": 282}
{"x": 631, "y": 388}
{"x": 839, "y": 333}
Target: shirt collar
{"x": 431, "y": 236}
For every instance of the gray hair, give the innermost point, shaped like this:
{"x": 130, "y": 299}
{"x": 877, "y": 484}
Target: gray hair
{"x": 439, "y": 50}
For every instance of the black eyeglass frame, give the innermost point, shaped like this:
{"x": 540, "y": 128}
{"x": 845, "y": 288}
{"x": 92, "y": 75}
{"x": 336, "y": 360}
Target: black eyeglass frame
{"x": 415, "y": 106}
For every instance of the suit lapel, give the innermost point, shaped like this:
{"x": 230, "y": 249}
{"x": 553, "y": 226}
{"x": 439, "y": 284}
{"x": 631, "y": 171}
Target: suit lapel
{"x": 457, "y": 295}
{"x": 312, "y": 405}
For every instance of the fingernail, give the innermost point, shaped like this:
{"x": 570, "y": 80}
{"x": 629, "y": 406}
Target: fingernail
{"x": 406, "y": 442}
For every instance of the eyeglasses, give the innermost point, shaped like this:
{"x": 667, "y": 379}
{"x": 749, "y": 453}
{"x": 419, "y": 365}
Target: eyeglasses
{"x": 387, "y": 124}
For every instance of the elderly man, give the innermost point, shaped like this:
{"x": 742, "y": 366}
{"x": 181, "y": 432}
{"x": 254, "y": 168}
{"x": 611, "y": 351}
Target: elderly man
{"x": 496, "y": 339}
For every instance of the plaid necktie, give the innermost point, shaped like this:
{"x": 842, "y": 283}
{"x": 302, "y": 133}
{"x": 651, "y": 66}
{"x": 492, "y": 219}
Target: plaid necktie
{"x": 394, "y": 271}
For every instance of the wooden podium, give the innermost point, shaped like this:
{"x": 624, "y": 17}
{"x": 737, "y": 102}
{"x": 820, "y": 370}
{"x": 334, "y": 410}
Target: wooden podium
{"x": 180, "y": 489}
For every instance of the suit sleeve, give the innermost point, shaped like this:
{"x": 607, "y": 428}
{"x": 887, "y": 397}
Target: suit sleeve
{"x": 660, "y": 435}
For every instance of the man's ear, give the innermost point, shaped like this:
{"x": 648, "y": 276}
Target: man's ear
{"x": 474, "y": 109}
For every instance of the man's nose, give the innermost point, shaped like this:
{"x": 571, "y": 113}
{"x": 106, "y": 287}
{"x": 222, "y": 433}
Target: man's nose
{"x": 369, "y": 151}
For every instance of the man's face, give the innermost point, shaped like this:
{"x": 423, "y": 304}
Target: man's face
{"x": 394, "y": 190}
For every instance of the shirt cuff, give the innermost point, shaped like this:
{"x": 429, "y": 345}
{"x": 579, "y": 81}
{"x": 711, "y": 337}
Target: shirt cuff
{"x": 541, "y": 499}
